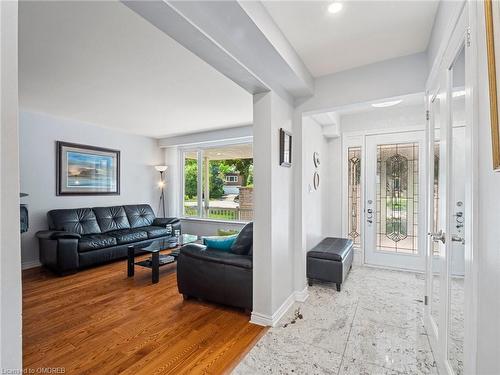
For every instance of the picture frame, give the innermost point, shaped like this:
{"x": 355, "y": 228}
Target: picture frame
{"x": 285, "y": 148}
{"x": 86, "y": 170}
{"x": 492, "y": 21}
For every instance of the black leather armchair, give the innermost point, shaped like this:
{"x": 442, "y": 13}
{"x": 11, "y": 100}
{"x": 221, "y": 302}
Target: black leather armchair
{"x": 218, "y": 276}
{"x": 82, "y": 237}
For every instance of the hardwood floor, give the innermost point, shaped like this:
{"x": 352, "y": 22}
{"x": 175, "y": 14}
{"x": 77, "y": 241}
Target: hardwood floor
{"x": 100, "y": 322}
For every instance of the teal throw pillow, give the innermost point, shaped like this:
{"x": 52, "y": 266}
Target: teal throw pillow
{"x": 222, "y": 243}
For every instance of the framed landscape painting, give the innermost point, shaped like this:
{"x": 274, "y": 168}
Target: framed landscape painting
{"x": 87, "y": 170}
{"x": 492, "y": 14}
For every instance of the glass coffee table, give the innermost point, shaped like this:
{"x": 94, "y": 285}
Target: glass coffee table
{"x": 157, "y": 260}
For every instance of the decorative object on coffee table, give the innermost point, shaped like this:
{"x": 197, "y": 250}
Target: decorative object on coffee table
{"x": 87, "y": 170}
{"x": 157, "y": 260}
{"x": 161, "y": 184}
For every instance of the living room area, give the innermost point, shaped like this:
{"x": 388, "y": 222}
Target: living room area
{"x": 121, "y": 157}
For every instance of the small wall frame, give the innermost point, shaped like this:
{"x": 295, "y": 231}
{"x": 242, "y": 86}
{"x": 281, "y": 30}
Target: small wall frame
{"x": 285, "y": 148}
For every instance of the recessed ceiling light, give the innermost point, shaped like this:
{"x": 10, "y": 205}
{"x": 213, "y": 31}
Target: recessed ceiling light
{"x": 386, "y": 104}
{"x": 335, "y": 7}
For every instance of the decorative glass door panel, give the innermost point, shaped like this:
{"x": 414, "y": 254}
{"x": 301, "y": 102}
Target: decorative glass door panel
{"x": 397, "y": 198}
{"x": 393, "y": 204}
{"x": 354, "y": 194}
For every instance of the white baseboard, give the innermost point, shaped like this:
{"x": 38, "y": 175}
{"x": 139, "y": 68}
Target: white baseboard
{"x": 261, "y": 319}
{"x": 271, "y": 321}
{"x": 301, "y": 295}
{"x": 30, "y": 264}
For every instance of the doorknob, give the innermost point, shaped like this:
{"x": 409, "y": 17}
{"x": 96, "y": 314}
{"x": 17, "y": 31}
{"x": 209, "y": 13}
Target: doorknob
{"x": 439, "y": 236}
{"x": 369, "y": 215}
{"x": 457, "y": 238}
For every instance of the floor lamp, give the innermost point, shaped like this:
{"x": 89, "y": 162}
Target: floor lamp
{"x": 161, "y": 184}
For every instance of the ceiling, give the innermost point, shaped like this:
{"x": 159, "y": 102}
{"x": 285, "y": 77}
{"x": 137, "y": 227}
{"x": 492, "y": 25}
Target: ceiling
{"x": 100, "y": 62}
{"x": 363, "y": 32}
{"x": 237, "y": 151}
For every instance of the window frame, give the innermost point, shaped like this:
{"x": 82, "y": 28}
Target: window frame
{"x": 199, "y": 148}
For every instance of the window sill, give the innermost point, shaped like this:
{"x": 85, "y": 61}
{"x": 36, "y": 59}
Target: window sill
{"x": 204, "y": 220}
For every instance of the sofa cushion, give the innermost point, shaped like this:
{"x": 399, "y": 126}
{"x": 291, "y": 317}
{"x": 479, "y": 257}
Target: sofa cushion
{"x": 139, "y": 215}
{"x": 111, "y": 218}
{"x": 155, "y": 232}
{"x": 331, "y": 248}
{"x": 244, "y": 241}
{"x": 75, "y": 220}
{"x": 124, "y": 236}
{"x": 91, "y": 242}
{"x": 222, "y": 243}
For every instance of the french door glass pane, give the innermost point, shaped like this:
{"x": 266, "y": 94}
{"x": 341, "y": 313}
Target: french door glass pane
{"x": 354, "y": 194}
{"x": 397, "y": 198}
{"x": 191, "y": 184}
{"x": 435, "y": 245}
{"x": 438, "y": 173}
{"x": 456, "y": 252}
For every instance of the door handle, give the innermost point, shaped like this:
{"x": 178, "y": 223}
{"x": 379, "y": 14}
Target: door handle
{"x": 369, "y": 215}
{"x": 457, "y": 238}
{"x": 439, "y": 236}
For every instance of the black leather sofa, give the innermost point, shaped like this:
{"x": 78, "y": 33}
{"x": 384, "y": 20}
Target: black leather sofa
{"x": 82, "y": 237}
{"x": 218, "y": 276}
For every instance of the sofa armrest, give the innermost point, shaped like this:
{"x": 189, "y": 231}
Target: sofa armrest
{"x": 56, "y": 234}
{"x": 205, "y": 254}
{"x": 193, "y": 247}
{"x": 59, "y": 250}
{"x": 163, "y": 221}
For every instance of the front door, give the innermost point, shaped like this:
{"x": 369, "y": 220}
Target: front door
{"x": 394, "y": 203}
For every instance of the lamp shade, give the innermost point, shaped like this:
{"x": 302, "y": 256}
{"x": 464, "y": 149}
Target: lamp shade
{"x": 161, "y": 168}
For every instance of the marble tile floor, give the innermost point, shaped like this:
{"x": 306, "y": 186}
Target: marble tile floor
{"x": 373, "y": 326}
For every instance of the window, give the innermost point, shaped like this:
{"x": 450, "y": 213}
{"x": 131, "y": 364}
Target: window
{"x": 354, "y": 194}
{"x": 218, "y": 182}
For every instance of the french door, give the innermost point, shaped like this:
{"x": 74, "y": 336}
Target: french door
{"x": 449, "y": 208}
{"x": 394, "y": 200}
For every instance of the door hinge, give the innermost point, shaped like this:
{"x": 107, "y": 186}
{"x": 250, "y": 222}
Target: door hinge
{"x": 468, "y": 37}
{"x": 427, "y": 115}
{"x": 426, "y": 300}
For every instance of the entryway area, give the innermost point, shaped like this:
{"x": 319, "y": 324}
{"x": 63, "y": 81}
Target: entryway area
{"x": 374, "y": 326}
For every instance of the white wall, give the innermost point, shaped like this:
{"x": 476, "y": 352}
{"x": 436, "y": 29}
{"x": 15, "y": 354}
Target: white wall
{"x": 10, "y": 252}
{"x": 314, "y": 207}
{"x": 488, "y": 251}
{"x": 273, "y": 211}
{"x": 332, "y": 213}
{"x": 398, "y": 117}
{"x": 282, "y": 208}
{"x": 390, "y": 78}
{"x": 38, "y": 136}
